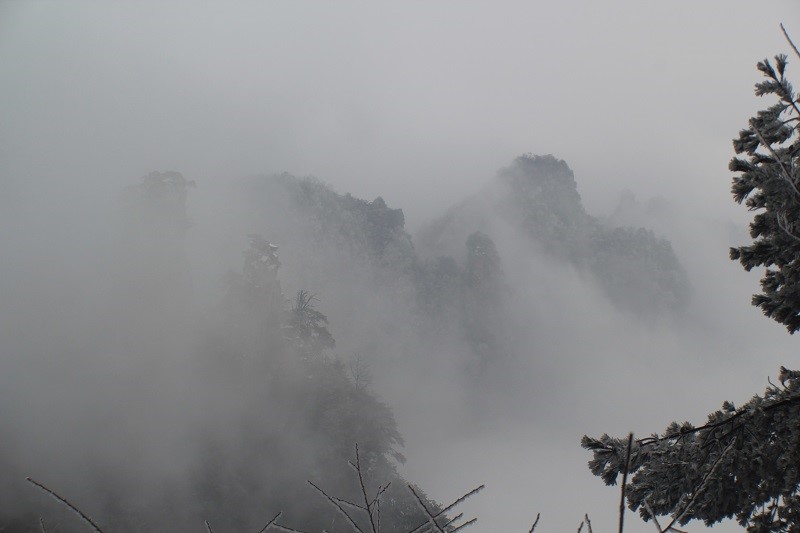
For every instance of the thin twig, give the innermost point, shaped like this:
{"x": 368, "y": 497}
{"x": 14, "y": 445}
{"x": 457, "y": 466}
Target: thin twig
{"x": 535, "y": 523}
{"x": 588, "y": 523}
{"x": 580, "y": 527}
{"x": 625, "y": 482}
{"x": 786, "y": 34}
{"x": 443, "y": 511}
{"x": 464, "y": 525}
{"x": 464, "y": 497}
{"x": 351, "y": 504}
{"x": 271, "y": 522}
{"x": 453, "y": 520}
{"x": 41, "y": 525}
{"x": 431, "y": 518}
{"x": 65, "y": 502}
{"x": 336, "y": 504}
{"x": 208, "y": 527}
{"x": 380, "y": 492}
{"x": 364, "y": 491}
{"x": 286, "y": 528}
{"x": 377, "y": 504}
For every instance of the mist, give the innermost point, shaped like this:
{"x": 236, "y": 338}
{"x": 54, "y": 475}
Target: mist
{"x": 150, "y": 370}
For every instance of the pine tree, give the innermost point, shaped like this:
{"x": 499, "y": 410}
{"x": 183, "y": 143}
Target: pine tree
{"x": 770, "y": 183}
{"x": 744, "y": 462}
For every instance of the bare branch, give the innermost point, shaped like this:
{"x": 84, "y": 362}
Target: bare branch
{"x": 624, "y": 483}
{"x": 588, "y": 523}
{"x": 208, "y": 527}
{"x": 464, "y": 525}
{"x": 364, "y": 491}
{"x": 270, "y": 523}
{"x": 464, "y": 497}
{"x": 351, "y": 504}
{"x": 339, "y": 507}
{"x": 377, "y": 504}
{"x": 286, "y": 528}
{"x": 453, "y": 520}
{"x": 41, "y": 525}
{"x": 431, "y": 518}
{"x": 580, "y": 527}
{"x": 455, "y": 503}
{"x": 786, "y": 34}
{"x": 535, "y": 523}
{"x": 380, "y": 492}
{"x": 65, "y": 502}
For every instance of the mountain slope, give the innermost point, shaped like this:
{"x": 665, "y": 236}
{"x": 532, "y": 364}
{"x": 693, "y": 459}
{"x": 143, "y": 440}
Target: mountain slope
{"x": 537, "y": 199}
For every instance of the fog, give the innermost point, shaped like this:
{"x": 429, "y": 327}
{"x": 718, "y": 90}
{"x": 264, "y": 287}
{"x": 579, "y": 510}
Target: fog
{"x": 143, "y": 376}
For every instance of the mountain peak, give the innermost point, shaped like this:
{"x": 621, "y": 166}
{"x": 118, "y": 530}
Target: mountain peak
{"x": 541, "y": 175}
{"x": 539, "y": 167}
{"x": 537, "y": 197}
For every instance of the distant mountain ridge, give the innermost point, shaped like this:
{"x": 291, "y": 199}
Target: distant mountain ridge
{"x": 537, "y": 196}
{"x": 329, "y": 235}
{"x": 303, "y": 213}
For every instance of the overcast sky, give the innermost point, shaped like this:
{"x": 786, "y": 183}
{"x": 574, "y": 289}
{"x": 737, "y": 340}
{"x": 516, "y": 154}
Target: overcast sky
{"x": 407, "y": 100}
{"x": 421, "y": 103}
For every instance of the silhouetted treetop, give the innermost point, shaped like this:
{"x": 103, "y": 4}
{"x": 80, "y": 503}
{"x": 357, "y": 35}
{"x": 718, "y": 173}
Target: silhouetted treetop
{"x": 768, "y": 182}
